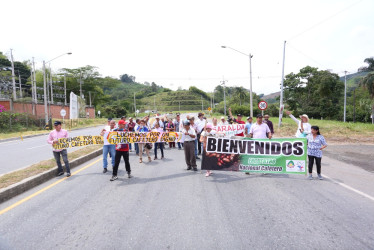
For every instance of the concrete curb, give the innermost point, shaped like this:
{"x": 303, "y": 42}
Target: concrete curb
{"x": 26, "y": 184}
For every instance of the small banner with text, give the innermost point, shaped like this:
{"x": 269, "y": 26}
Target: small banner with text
{"x": 281, "y": 156}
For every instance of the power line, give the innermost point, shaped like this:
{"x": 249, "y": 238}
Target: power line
{"x": 324, "y": 20}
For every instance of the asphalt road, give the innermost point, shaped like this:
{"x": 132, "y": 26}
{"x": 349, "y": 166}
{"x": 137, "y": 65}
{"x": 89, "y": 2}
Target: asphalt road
{"x": 23, "y": 153}
{"x": 166, "y": 207}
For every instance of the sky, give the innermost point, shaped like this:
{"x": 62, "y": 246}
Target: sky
{"x": 177, "y": 44}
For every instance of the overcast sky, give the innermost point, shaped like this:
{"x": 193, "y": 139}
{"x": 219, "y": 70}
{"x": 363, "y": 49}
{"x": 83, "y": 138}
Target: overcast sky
{"x": 178, "y": 43}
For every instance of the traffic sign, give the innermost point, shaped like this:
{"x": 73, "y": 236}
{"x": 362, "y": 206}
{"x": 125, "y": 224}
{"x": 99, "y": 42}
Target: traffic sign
{"x": 63, "y": 112}
{"x": 209, "y": 109}
{"x": 262, "y": 105}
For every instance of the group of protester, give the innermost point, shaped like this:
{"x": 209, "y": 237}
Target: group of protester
{"x": 195, "y": 135}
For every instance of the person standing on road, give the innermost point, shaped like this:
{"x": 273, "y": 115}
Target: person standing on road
{"x": 223, "y": 121}
{"x": 269, "y": 123}
{"x": 108, "y": 148}
{"x": 170, "y": 128}
{"x": 194, "y": 127}
{"x": 248, "y": 126}
{"x": 177, "y": 125}
{"x": 316, "y": 143}
{"x": 304, "y": 127}
{"x": 259, "y": 130}
{"x": 204, "y": 135}
{"x": 130, "y": 127}
{"x": 122, "y": 149}
{"x": 142, "y": 145}
{"x": 200, "y": 124}
{"x": 189, "y": 146}
{"x": 238, "y": 121}
{"x": 53, "y": 137}
{"x": 158, "y": 144}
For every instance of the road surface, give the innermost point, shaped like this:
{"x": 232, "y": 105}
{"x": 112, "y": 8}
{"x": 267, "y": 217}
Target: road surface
{"x": 166, "y": 207}
{"x": 23, "y": 153}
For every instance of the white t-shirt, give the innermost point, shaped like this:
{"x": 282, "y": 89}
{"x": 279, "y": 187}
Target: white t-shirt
{"x": 259, "y": 131}
{"x": 307, "y": 128}
{"x": 223, "y": 123}
{"x": 190, "y": 131}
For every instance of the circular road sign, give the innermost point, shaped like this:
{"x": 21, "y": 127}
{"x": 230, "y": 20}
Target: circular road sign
{"x": 262, "y": 105}
{"x": 63, "y": 112}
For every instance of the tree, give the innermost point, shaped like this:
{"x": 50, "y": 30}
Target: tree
{"x": 370, "y": 62}
{"x": 368, "y": 82}
{"x": 240, "y": 93}
{"x": 315, "y": 92}
{"x": 127, "y": 78}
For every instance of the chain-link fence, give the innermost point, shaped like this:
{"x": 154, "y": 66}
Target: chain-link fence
{"x": 13, "y": 122}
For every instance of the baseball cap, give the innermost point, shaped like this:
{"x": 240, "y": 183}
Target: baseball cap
{"x": 239, "y": 115}
{"x": 249, "y": 117}
{"x": 121, "y": 122}
{"x": 109, "y": 119}
{"x": 259, "y": 116}
{"x": 57, "y": 123}
{"x": 222, "y": 117}
{"x": 186, "y": 123}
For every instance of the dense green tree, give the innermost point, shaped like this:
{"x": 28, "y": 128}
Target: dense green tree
{"x": 240, "y": 93}
{"x": 315, "y": 92}
{"x": 368, "y": 83}
{"x": 370, "y": 67}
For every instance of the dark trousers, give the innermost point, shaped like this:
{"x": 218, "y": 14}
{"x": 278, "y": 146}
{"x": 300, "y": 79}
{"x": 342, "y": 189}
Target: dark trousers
{"x": 64, "y": 154}
{"x": 125, "y": 155}
{"x": 180, "y": 145}
{"x": 198, "y": 143}
{"x": 189, "y": 154}
{"x": 171, "y": 144}
{"x": 311, "y": 162}
{"x": 161, "y": 146}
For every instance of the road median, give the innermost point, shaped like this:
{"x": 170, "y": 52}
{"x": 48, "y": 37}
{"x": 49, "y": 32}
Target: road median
{"x": 25, "y": 179}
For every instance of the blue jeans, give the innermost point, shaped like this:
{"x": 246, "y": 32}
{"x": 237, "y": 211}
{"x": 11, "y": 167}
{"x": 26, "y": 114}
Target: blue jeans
{"x": 136, "y": 148}
{"x": 111, "y": 149}
{"x": 196, "y": 147}
{"x": 64, "y": 154}
{"x": 179, "y": 145}
{"x": 161, "y": 145}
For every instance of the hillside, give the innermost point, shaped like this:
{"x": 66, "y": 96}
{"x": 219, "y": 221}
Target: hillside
{"x": 174, "y": 101}
{"x": 354, "y": 79}
{"x": 271, "y": 98}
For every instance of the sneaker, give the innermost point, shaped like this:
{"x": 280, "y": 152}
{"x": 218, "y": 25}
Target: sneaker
{"x": 162, "y": 157}
{"x": 155, "y": 158}
{"x": 189, "y": 168}
{"x": 310, "y": 177}
{"x": 320, "y": 177}
{"x": 68, "y": 174}
{"x": 129, "y": 175}
{"x": 114, "y": 177}
{"x": 60, "y": 173}
{"x": 149, "y": 159}
{"x": 194, "y": 169}
{"x": 105, "y": 170}
{"x": 247, "y": 173}
{"x": 197, "y": 158}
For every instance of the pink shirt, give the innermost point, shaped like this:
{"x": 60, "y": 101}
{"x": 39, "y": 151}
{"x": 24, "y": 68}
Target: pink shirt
{"x": 259, "y": 131}
{"x": 54, "y": 135}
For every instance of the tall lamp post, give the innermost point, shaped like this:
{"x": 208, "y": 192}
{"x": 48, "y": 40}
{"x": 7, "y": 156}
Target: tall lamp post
{"x": 45, "y": 86}
{"x": 250, "y": 75}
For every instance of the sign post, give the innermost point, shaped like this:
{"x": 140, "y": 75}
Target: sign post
{"x": 262, "y": 105}
{"x": 63, "y": 113}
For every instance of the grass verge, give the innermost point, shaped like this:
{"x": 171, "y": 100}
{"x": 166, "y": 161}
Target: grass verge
{"x": 17, "y": 176}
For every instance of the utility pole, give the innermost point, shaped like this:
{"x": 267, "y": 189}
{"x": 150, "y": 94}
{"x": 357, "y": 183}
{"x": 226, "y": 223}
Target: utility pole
{"x": 45, "y": 94}
{"x": 345, "y": 94}
{"x": 36, "y": 93}
{"x": 33, "y": 93}
{"x": 154, "y": 102}
{"x": 89, "y": 93}
{"x": 202, "y": 107}
{"x": 80, "y": 82}
{"x": 179, "y": 106}
{"x": 281, "y": 94}
{"x": 65, "y": 89}
{"x": 134, "y": 105}
{"x": 20, "y": 84}
{"x": 51, "y": 83}
{"x": 250, "y": 83}
{"x": 223, "y": 82}
{"x": 354, "y": 105}
{"x": 13, "y": 76}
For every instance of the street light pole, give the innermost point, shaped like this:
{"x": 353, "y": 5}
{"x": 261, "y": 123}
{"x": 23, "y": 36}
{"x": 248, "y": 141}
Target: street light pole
{"x": 345, "y": 94}
{"x": 134, "y": 104}
{"x": 250, "y": 75}
{"x": 224, "y": 94}
{"x": 45, "y": 86}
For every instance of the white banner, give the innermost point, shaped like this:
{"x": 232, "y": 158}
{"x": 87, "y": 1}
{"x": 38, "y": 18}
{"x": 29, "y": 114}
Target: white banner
{"x": 73, "y": 106}
{"x": 228, "y": 130}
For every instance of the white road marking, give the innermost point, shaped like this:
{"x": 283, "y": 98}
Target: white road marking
{"x": 350, "y": 188}
{"x": 39, "y": 146}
